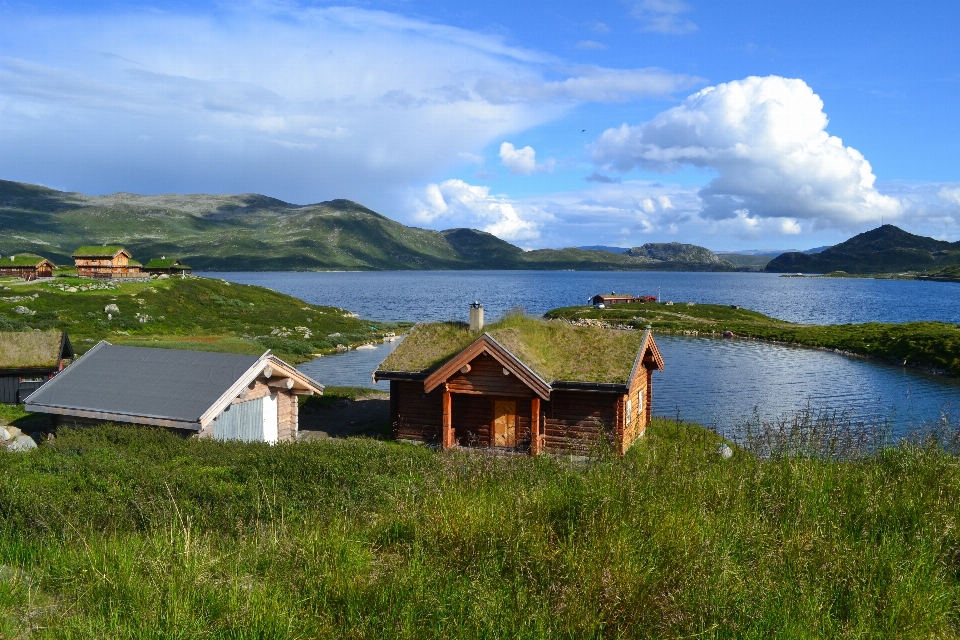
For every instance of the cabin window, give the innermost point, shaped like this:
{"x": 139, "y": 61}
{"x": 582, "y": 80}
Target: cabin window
{"x": 629, "y": 412}
{"x": 640, "y": 401}
{"x": 31, "y": 379}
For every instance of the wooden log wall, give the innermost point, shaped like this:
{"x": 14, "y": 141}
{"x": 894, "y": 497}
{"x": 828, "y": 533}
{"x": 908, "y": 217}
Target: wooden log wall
{"x": 473, "y": 419}
{"x": 416, "y": 415}
{"x": 577, "y": 420}
{"x": 639, "y": 405}
{"x": 486, "y": 377}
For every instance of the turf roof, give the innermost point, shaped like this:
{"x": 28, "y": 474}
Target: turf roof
{"x": 555, "y": 350}
{"x": 29, "y": 349}
{"x": 21, "y": 260}
{"x": 165, "y": 263}
{"x": 95, "y": 251}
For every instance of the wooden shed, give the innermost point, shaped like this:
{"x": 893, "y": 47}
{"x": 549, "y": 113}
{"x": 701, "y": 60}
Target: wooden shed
{"x": 105, "y": 262}
{"x": 218, "y": 395}
{"x": 612, "y": 298}
{"x": 163, "y": 264}
{"x": 524, "y": 385}
{"x": 28, "y": 359}
{"x": 28, "y": 266}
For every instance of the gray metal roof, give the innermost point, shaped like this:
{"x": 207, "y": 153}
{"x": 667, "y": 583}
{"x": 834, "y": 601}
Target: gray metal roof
{"x": 157, "y": 383}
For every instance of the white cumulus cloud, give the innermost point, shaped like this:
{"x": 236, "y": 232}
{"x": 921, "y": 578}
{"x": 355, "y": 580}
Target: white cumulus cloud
{"x": 522, "y": 162}
{"x": 766, "y": 138}
{"x": 457, "y": 203}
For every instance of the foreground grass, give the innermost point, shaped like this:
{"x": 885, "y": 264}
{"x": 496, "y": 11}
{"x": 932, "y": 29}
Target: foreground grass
{"x": 930, "y": 345}
{"x": 126, "y": 533}
{"x": 193, "y": 313}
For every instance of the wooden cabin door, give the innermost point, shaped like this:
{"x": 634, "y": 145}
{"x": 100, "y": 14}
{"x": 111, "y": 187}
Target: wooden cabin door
{"x": 504, "y": 423}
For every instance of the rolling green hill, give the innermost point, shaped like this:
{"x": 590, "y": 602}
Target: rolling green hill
{"x": 254, "y": 232}
{"x": 886, "y": 249}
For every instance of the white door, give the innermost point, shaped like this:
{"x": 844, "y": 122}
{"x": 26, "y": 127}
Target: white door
{"x": 270, "y": 419}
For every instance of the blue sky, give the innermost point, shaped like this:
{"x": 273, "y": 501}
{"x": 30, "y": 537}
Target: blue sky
{"x": 728, "y": 124}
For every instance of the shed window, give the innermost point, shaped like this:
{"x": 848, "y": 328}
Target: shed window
{"x": 640, "y": 401}
{"x": 629, "y": 412}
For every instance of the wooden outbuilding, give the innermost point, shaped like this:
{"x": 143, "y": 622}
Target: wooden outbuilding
{"x": 607, "y": 299}
{"x": 524, "y": 385}
{"x": 105, "y": 262}
{"x": 218, "y": 395}
{"x": 28, "y": 266}
{"x": 28, "y": 359}
{"x": 163, "y": 264}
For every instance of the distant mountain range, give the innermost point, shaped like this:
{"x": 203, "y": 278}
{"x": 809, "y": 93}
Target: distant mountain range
{"x": 254, "y": 232}
{"x": 886, "y": 249}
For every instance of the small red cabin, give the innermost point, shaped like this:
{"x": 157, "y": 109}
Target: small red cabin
{"x": 524, "y": 385}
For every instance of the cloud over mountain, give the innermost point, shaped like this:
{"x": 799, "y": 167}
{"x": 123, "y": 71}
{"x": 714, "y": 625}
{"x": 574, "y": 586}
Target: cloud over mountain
{"x": 766, "y": 139}
{"x": 458, "y": 203}
{"x": 298, "y": 102}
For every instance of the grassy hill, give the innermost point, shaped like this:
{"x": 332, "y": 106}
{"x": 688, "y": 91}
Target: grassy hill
{"x": 885, "y": 249}
{"x": 254, "y": 232}
{"x": 193, "y": 313}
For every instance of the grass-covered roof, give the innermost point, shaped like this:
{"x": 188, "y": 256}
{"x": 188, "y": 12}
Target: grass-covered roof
{"x": 29, "y": 349}
{"x": 92, "y": 251}
{"x": 165, "y": 263}
{"x": 21, "y": 260}
{"x": 555, "y": 350}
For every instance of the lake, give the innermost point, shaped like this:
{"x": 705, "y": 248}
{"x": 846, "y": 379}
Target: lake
{"x": 710, "y": 381}
{"x": 444, "y": 295}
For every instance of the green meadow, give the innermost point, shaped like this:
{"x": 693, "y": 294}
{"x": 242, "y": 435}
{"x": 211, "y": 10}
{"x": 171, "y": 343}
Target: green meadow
{"x": 190, "y": 313}
{"x": 118, "y": 532}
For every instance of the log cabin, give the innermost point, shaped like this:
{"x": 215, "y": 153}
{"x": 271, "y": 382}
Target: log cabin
{"x": 523, "y": 385}
{"x": 105, "y": 262}
{"x": 27, "y": 266}
{"x": 223, "y": 396}
{"x": 28, "y": 359}
{"x": 163, "y": 264}
{"x": 607, "y": 299}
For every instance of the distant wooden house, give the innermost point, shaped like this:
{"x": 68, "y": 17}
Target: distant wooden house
{"x": 607, "y": 299}
{"x": 28, "y": 359}
{"x": 28, "y": 266}
{"x": 167, "y": 265}
{"x": 524, "y": 385}
{"x": 219, "y": 395}
{"x": 105, "y": 262}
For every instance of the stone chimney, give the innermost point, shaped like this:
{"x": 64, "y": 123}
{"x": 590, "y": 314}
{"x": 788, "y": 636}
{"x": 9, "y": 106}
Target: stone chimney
{"x": 476, "y": 317}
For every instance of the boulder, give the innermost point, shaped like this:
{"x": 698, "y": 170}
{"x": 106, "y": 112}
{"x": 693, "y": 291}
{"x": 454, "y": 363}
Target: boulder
{"x": 22, "y": 443}
{"x": 111, "y": 308}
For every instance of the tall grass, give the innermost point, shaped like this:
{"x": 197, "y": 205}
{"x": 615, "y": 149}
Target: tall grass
{"x": 126, "y": 533}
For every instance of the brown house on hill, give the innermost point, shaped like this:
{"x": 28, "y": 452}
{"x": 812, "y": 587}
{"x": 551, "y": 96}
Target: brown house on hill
{"x": 607, "y": 299}
{"x": 525, "y": 385}
{"x": 105, "y": 262}
{"x": 27, "y": 266}
{"x": 28, "y": 359}
{"x": 163, "y": 264}
{"x": 224, "y": 396}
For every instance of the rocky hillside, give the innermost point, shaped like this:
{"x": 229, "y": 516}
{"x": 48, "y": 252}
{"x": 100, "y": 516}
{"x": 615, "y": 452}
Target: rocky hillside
{"x": 677, "y": 252}
{"x": 886, "y": 249}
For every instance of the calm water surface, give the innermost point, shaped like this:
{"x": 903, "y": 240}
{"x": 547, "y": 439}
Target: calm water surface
{"x": 442, "y": 295}
{"x": 710, "y": 381}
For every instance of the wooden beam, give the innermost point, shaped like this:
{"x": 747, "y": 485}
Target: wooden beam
{"x": 465, "y": 368}
{"x": 448, "y": 435}
{"x": 267, "y": 371}
{"x": 536, "y": 441}
{"x": 303, "y": 392}
{"x": 282, "y": 383}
